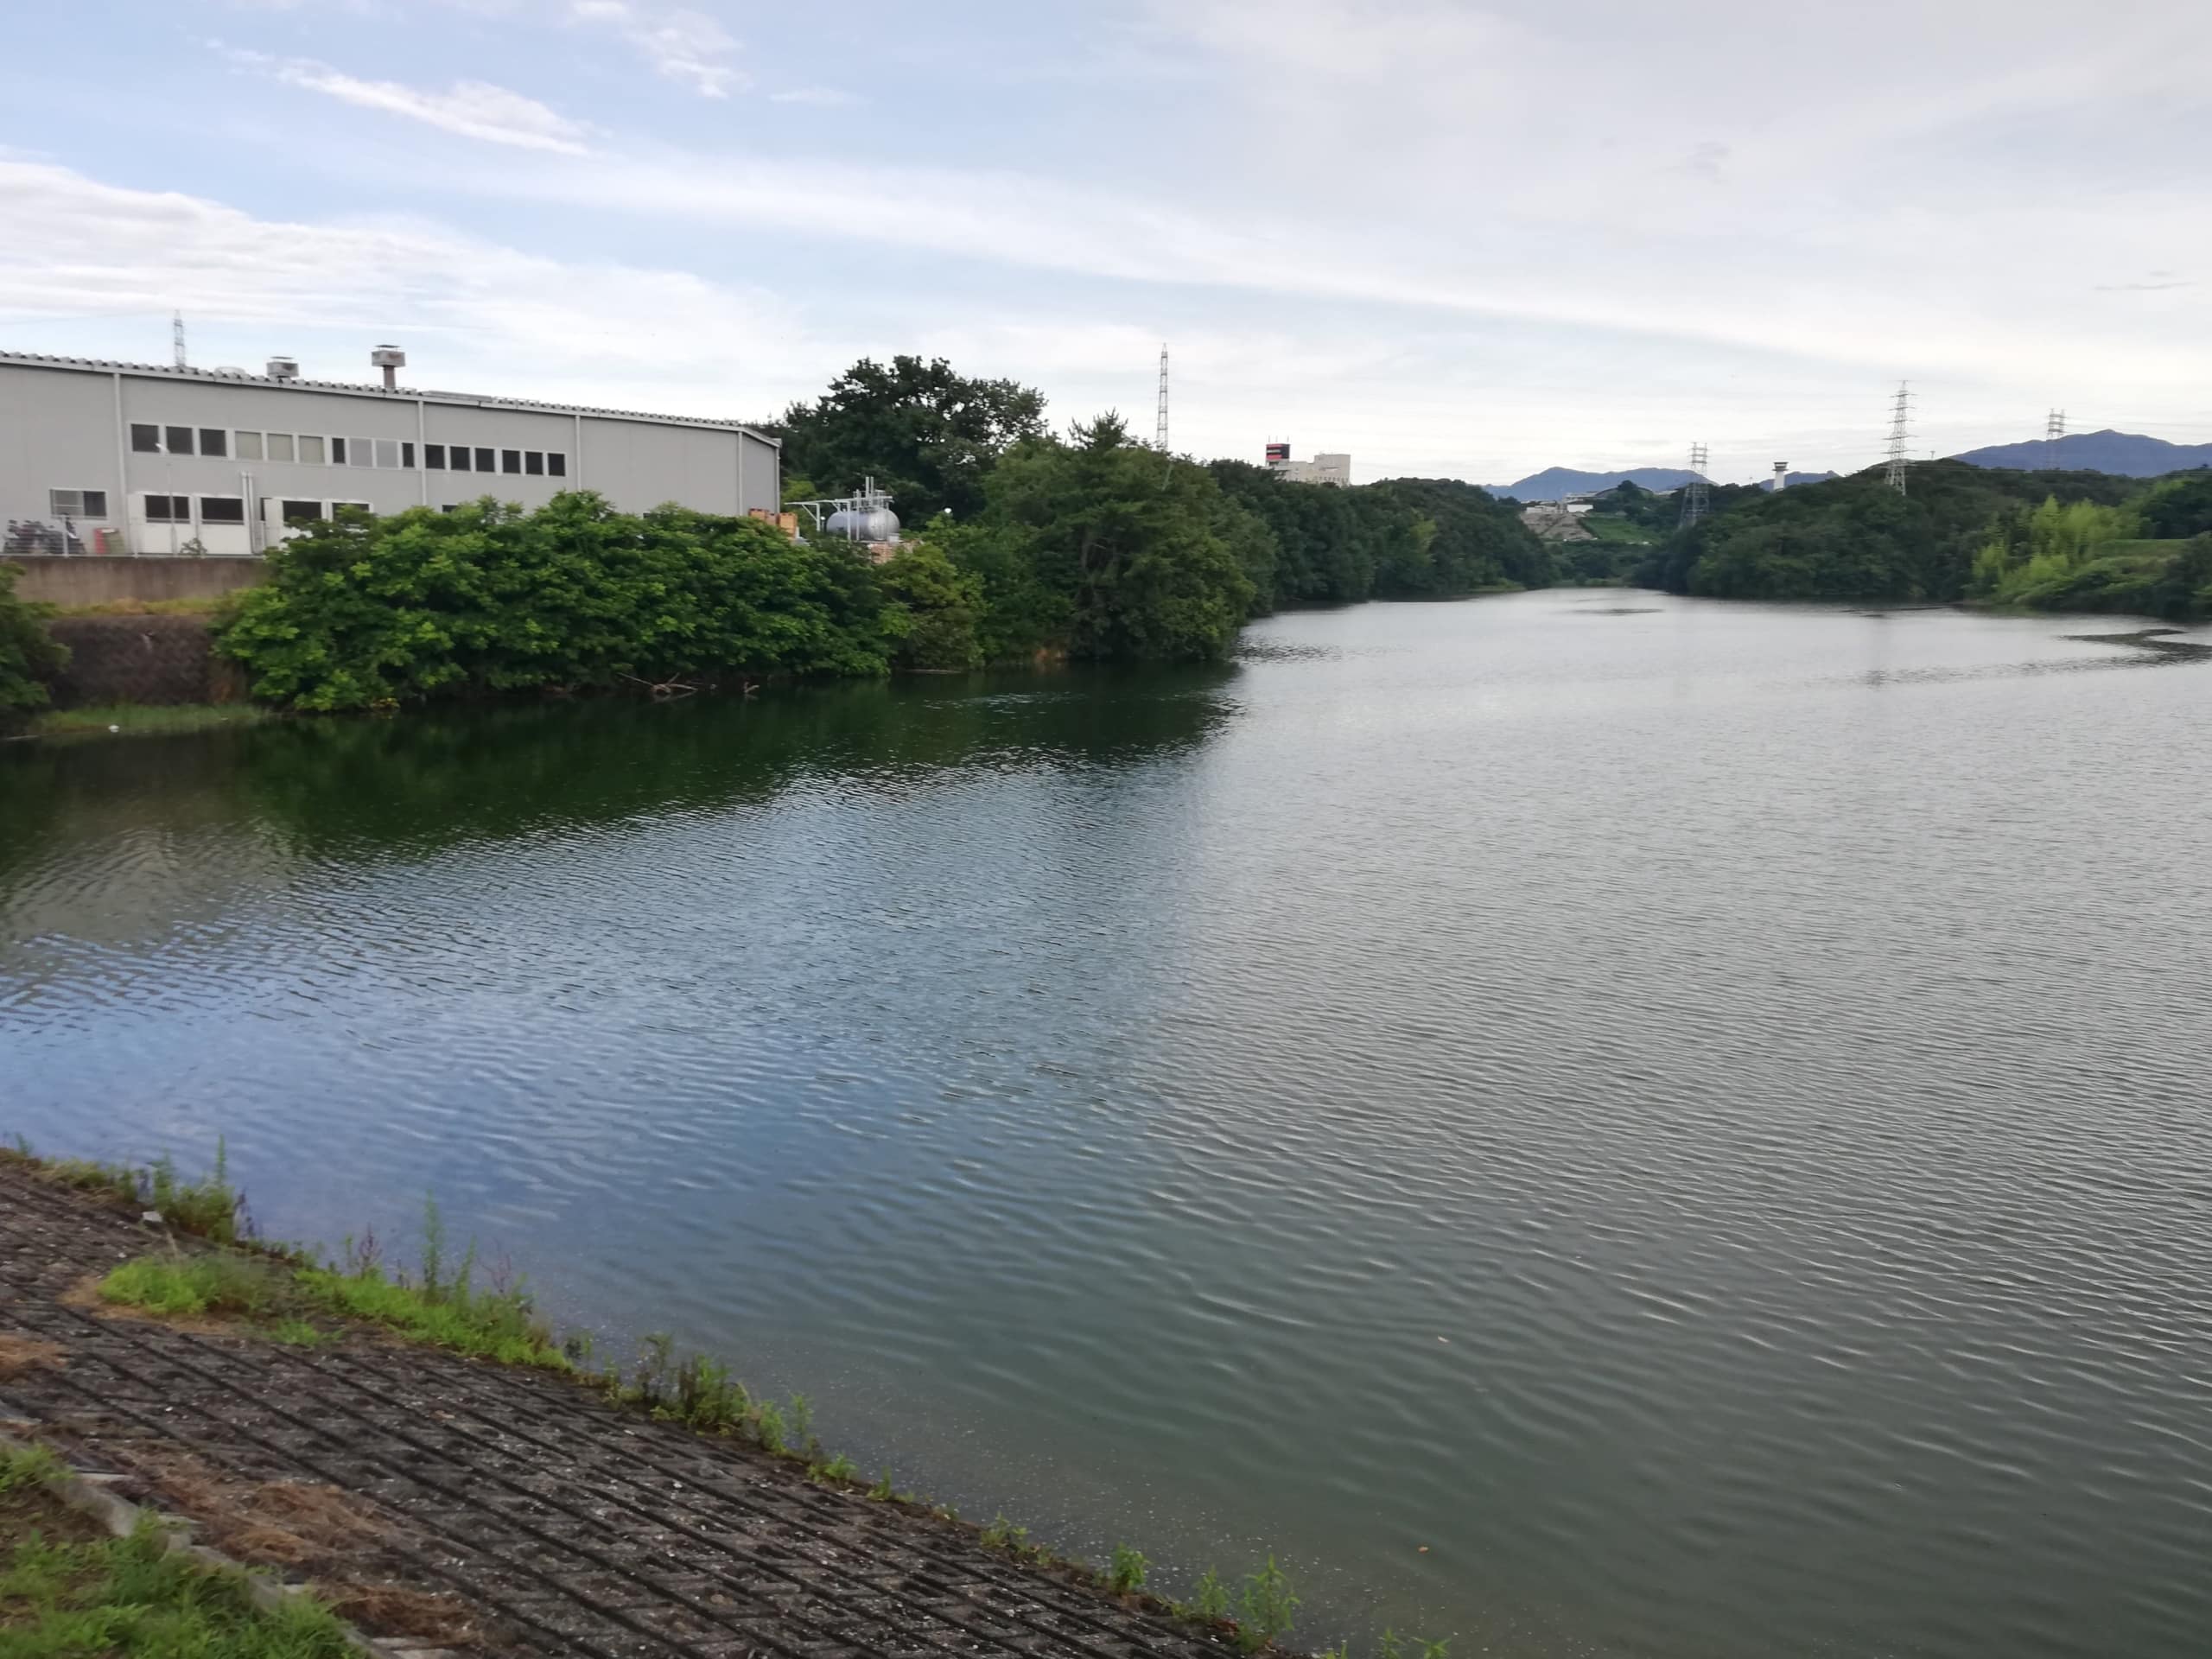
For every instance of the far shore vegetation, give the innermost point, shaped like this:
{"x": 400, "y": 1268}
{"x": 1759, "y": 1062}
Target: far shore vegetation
{"x": 2046, "y": 541}
{"x": 1025, "y": 546}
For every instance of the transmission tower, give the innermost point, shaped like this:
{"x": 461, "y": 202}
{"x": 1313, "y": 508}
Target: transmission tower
{"x": 1696, "y": 502}
{"x": 176, "y": 337}
{"x": 1900, "y": 418}
{"x": 2054, "y": 431}
{"x": 1160, "y": 428}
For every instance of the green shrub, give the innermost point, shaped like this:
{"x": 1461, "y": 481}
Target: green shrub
{"x": 363, "y": 611}
{"x": 28, "y": 655}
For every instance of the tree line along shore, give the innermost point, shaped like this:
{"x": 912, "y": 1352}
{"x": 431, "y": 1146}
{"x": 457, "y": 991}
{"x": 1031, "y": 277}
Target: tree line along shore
{"x": 1089, "y": 546}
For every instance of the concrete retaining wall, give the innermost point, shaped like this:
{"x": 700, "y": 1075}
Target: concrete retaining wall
{"x": 92, "y": 580}
{"x": 152, "y": 659}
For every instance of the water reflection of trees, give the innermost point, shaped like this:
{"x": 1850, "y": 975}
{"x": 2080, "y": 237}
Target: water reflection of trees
{"x": 355, "y": 786}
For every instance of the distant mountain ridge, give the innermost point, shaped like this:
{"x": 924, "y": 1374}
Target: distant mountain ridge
{"x": 1556, "y": 482}
{"x": 2122, "y": 455}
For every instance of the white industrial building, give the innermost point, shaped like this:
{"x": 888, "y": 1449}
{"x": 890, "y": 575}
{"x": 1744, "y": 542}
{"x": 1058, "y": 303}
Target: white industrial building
{"x": 1330, "y": 470}
{"x": 136, "y": 459}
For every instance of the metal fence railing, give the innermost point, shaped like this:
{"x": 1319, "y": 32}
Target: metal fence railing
{"x": 68, "y": 537}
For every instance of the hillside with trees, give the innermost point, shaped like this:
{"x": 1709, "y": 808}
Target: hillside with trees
{"x": 2056, "y": 536}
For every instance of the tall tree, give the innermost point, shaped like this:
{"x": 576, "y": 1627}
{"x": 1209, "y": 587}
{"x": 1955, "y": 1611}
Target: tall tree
{"x": 1146, "y": 557}
{"x": 926, "y": 434}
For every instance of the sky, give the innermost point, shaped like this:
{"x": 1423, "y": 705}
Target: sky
{"x": 1454, "y": 240}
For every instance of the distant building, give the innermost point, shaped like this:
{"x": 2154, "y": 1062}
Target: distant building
{"x": 127, "y": 457}
{"x": 1335, "y": 470}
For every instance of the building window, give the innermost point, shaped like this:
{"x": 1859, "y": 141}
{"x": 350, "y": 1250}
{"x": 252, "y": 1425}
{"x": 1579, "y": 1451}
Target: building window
{"x": 433, "y": 457}
{"x": 407, "y": 455}
{"x": 146, "y": 439}
{"x": 511, "y": 461}
{"x": 249, "y": 445}
{"x": 76, "y": 503}
{"x": 556, "y": 464}
{"x": 310, "y": 450}
{"x": 222, "y": 510}
{"x": 485, "y": 462}
{"x": 179, "y": 438}
{"x": 387, "y": 452}
{"x": 280, "y": 445}
{"x": 533, "y": 462}
{"x": 169, "y": 510}
{"x": 360, "y": 452}
{"x": 460, "y": 458}
{"x": 213, "y": 440}
{"x": 337, "y": 452}
{"x": 302, "y": 512}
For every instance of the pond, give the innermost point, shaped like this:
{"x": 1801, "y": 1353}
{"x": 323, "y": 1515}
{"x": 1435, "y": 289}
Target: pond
{"x": 1584, "y": 1122}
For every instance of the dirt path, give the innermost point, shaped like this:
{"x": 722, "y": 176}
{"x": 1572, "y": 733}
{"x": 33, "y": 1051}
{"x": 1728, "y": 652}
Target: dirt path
{"x": 499, "y": 1509}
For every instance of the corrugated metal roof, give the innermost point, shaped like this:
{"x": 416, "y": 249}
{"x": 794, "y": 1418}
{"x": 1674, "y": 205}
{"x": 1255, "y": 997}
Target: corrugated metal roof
{"x": 402, "y": 394}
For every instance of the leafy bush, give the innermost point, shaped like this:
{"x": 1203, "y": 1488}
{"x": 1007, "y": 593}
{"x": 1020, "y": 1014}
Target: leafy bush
{"x": 363, "y": 611}
{"x": 29, "y": 656}
{"x": 2077, "y": 555}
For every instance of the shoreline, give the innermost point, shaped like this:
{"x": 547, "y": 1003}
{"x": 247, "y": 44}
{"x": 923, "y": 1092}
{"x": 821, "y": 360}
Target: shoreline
{"x": 209, "y": 1411}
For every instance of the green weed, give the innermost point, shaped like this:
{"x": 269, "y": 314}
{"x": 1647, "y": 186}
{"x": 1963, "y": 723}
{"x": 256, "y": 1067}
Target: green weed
{"x": 208, "y": 1207}
{"x": 839, "y": 1468}
{"x": 183, "y": 1285}
{"x": 1210, "y": 1600}
{"x": 1126, "y": 1574}
{"x": 1390, "y": 1648}
{"x": 486, "y": 1324}
{"x": 1002, "y": 1534}
{"x": 299, "y": 1333}
{"x": 707, "y": 1397}
{"x": 881, "y": 1491}
{"x": 30, "y": 1465}
{"x": 1266, "y": 1608}
{"x": 130, "y": 1599}
{"x": 768, "y": 1426}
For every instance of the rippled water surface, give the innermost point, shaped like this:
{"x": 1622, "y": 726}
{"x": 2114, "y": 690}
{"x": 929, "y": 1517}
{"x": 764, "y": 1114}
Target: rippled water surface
{"x": 1697, "y": 1117}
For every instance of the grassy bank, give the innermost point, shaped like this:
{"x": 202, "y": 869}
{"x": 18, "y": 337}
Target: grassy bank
{"x": 145, "y": 720}
{"x": 68, "y": 1588}
{"x": 211, "y": 1268}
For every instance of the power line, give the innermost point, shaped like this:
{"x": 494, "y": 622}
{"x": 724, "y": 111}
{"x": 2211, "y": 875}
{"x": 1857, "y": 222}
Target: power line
{"x": 1900, "y": 429}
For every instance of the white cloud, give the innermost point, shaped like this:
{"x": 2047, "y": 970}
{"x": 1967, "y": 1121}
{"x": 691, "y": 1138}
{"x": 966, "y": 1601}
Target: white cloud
{"x": 474, "y": 109}
{"x": 826, "y": 98}
{"x": 683, "y": 45}
{"x": 472, "y": 313}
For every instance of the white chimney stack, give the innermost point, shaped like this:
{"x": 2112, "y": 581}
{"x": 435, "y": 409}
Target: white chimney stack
{"x": 390, "y": 359}
{"x": 1781, "y": 473}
